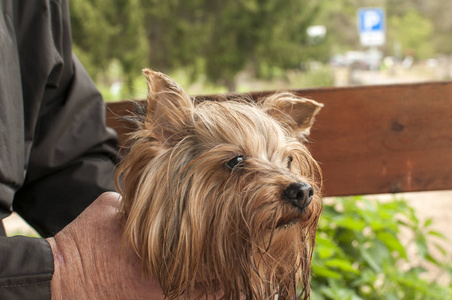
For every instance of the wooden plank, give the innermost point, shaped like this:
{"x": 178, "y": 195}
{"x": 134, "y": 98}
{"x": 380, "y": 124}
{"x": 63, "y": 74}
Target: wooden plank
{"x": 375, "y": 139}
{"x": 116, "y": 111}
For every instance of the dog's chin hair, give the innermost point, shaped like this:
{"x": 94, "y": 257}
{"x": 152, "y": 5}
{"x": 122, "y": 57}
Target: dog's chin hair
{"x": 196, "y": 224}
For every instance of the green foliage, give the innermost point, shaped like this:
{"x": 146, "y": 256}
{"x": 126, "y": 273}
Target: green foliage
{"x": 220, "y": 38}
{"x": 319, "y": 76}
{"x": 340, "y": 19}
{"x": 92, "y": 33}
{"x": 438, "y": 12}
{"x": 359, "y": 254}
{"x": 419, "y": 26}
{"x": 414, "y": 32}
{"x": 214, "y": 38}
{"x": 104, "y": 31}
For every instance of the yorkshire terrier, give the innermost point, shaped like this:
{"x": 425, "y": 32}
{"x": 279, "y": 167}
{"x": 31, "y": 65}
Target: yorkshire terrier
{"x": 222, "y": 196}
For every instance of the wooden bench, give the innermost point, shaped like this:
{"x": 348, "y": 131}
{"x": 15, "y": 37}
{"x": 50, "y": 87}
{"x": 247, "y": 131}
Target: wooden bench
{"x": 372, "y": 139}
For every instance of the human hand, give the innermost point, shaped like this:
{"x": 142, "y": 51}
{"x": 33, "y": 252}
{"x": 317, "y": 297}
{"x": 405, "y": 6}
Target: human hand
{"x": 90, "y": 262}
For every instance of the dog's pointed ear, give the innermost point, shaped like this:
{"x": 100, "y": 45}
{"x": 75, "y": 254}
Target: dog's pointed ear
{"x": 296, "y": 112}
{"x": 169, "y": 107}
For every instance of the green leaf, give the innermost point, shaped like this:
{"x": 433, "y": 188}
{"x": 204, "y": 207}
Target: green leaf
{"x": 319, "y": 271}
{"x": 315, "y": 295}
{"x": 342, "y": 265}
{"x": 428, "y": 222}
{"x": 350, "y": 223}
{"x": 437, "y": 234}
{"x": 392, "y": 242}
{"x": 377, "y": 225}
{"x": 404, "y": 223}
{"x": 431, "y": 259}
{"x": 391, "y": 296}
{"x": 370, "y": 260}
{"x": 325, "y": 248}
{"x": 440, "y": 249}
{"x": 421, "y": 243}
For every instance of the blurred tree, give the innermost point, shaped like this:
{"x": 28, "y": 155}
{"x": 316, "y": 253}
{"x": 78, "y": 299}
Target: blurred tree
{"x": 129, "y": 44}
{"x": 104, "y": 31}
{"x": 92, "y": 33}
{"x": 340, "y": 19}
{"x": 283, "y": 39}
{"x": 221, "y": 38}
{"x": 398, "y": 8}
{"x": 177, "y": 32}
{"x": 414, "y": 32}
{"x": 261, "y": 35}
{"x": 212, "y": 37}
{"x": 439, "y": 11}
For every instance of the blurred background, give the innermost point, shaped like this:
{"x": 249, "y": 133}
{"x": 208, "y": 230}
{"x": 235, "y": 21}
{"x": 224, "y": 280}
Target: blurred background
{"x": 214, "y": 46}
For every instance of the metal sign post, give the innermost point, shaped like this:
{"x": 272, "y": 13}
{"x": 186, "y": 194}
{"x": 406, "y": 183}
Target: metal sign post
{"x": 372, "y": 32}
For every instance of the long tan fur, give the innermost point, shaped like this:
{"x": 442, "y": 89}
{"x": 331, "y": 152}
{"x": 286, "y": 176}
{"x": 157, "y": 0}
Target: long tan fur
{"x": 197, "y": 223}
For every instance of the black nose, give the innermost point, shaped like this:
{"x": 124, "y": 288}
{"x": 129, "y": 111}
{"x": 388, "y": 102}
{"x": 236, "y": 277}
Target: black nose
{"x": 299, "y": 194}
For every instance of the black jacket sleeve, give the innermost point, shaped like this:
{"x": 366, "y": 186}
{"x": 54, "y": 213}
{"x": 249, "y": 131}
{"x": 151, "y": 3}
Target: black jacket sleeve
{"x": 72, "y": 159}
{"x": 27, "y": 272}
{"x": 70, "y": 151}
{"x": 56, "y": 154}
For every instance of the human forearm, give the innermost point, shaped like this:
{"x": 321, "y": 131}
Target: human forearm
{"x": 67, "y": 280}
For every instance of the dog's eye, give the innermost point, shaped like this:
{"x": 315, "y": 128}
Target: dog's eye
{"x": 235, "y": 162}
{"x": 289, "y": 161}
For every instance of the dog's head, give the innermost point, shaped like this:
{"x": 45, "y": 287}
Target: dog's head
{"x": 222, "y": 195}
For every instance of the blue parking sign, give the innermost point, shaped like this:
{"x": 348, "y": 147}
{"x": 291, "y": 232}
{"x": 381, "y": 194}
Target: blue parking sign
{"x": 371, "y": 26}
